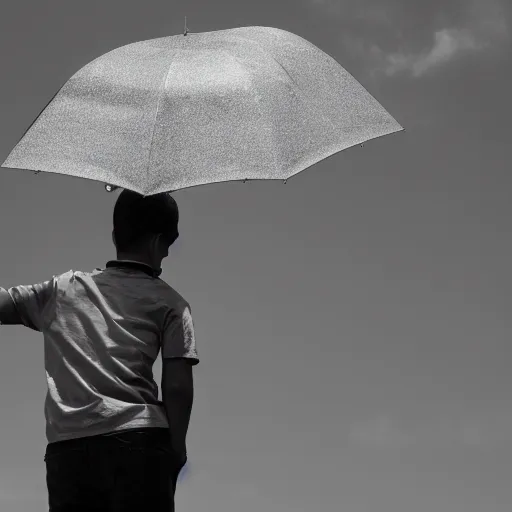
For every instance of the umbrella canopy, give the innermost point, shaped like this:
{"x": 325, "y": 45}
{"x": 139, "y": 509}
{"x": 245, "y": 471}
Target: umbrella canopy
{"x": 249, "y": 103}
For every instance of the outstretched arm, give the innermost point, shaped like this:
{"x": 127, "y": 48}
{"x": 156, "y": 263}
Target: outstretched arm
{"x": 8, "y": 313}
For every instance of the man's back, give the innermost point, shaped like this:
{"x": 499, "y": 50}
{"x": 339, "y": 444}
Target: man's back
{"x": 102, "y": 333}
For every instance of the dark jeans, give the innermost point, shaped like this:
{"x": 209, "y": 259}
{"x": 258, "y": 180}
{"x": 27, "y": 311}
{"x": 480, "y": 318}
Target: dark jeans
{"x": 115, "y": 472}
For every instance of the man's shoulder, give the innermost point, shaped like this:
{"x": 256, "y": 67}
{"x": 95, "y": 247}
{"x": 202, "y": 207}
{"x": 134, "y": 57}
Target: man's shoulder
{"x": 174, "y": 296}
{"x": 163, "y": 289}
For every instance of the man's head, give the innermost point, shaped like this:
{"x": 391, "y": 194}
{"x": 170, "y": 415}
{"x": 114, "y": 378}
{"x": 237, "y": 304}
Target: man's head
{"x": 145, "y": 227}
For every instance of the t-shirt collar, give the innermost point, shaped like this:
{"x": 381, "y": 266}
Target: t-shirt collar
{"x": 137, "y": 265}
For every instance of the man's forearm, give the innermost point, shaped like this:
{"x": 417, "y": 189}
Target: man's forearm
{"x": 178, "y": 408}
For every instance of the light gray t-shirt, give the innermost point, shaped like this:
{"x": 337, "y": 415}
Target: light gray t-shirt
{"x": 102, "y": 333}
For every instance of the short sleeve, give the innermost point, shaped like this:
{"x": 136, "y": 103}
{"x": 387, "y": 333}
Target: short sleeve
{"x": 30, "y": 302}
{"x": 178, "y": 338}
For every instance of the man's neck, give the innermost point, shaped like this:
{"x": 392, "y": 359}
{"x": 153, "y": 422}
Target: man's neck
{"x": 132, "y": 257}
{"x": 128, "y": 263}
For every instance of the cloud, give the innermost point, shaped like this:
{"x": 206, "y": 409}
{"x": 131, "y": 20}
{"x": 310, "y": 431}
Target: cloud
{"x": 448, "y": 44}
{"x": 483, "y": 26}
{"x": 478, "y": 25}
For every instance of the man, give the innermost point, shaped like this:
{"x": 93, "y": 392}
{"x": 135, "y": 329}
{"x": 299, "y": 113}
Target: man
{"x": 112, "y": 445}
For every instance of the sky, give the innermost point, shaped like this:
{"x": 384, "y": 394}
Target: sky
{"x": 352, "y": 324}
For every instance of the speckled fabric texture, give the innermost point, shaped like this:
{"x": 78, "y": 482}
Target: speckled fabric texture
{"x": 176, "y": 112}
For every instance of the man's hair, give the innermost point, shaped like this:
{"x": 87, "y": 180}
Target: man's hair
{"x": 137, "y": 217}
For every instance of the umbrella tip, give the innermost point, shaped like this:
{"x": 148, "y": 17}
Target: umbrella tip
{"x": 186, "y": 29}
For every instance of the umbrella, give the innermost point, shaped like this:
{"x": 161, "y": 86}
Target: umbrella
{"x": 249, "y": 103}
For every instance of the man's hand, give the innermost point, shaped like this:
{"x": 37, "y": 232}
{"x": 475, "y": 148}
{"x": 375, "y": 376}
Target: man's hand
{"x": 179, "y": 459}
{"x": 8, "y": 312}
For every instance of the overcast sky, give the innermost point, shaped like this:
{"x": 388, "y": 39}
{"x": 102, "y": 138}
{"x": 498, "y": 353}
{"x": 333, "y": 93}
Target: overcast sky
{"x": 353, "y": 325}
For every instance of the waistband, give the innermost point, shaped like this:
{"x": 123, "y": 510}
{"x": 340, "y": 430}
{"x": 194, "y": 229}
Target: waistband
{"x": 128, "y": 432}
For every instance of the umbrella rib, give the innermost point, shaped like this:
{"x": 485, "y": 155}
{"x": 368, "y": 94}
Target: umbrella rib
{"x": 162, "y": 92}
{"x": 36, "y": 119}
{"x": 259, "y": 108}
{"x": 304, "y": 99}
